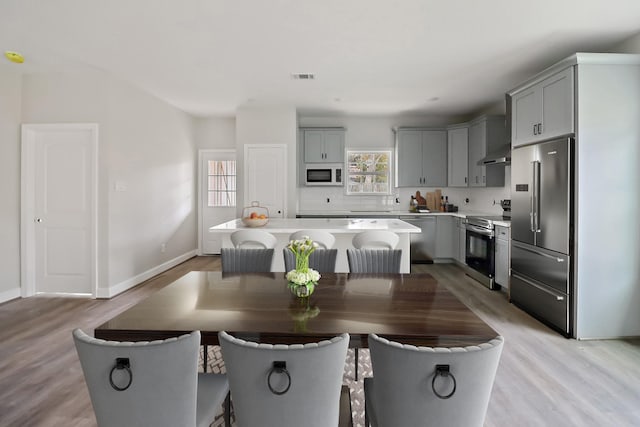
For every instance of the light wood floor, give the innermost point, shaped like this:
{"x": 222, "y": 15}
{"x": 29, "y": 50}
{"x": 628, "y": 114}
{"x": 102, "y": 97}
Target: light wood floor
{"x": 543, "y": 379}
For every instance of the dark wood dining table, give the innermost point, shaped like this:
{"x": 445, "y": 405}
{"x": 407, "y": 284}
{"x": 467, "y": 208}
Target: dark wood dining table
{"x": 410, "y": 308}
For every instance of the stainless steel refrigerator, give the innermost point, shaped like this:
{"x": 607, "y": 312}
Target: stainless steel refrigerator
{"x": 542, "y": 231}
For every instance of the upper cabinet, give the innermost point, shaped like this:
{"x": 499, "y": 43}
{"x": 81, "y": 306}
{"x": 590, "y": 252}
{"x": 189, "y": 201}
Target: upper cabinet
{"x": 458, "y": 162}
{"x": 543, "y": 110}
{"x": 486, "y": 134}
{"x": 421, "y": 157}
{"x": 323, "y": 145}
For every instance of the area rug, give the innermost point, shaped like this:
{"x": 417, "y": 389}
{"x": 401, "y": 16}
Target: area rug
{"x": 215, "y": 364}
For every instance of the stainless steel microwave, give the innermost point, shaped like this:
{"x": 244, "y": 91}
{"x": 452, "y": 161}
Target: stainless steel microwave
{"x": 323, "y": 174}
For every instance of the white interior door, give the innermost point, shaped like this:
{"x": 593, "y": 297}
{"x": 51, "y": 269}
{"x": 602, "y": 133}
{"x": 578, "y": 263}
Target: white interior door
{"x": 265, "y": 177}
{"x": 59, "y": 209}
{"x": 217, "y": 183}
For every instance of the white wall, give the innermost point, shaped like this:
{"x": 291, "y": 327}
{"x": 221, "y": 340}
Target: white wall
{"x": 268, "y": 125}
{"x": 145, "y": 145}
{"x": 215, "y": 132}
{"x": 376, "y": 133}
{"x": 630, "y": 45}
{"x": 10, "y": 104}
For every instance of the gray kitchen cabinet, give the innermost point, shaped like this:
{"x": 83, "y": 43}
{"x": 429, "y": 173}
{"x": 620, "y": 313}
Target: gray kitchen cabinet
{"x": 544, "y": 109}
{"x": 445, "y": 237}
{"x": 421, "y": 157}
{"x": 502, "y": 255}
{"x": 323, "y": 145}
{"x": 462, "y": 241}
{"x": 457, "y": 159}
{"x": 486, "y": 134}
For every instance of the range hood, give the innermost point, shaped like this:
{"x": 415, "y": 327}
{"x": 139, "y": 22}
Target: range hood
{"x": 500, "y": 156}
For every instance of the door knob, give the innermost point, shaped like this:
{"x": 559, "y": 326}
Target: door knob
{"x": 38, "y": 220}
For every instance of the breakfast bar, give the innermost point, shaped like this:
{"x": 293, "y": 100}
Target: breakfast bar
{"x": 343, "y": 229}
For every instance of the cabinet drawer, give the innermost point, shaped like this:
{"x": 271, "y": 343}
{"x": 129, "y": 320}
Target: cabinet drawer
{"x": 544, "y": 303}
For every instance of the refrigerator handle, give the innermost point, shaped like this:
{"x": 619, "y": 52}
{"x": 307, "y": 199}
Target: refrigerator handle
{"x": 536, "y": 196}
{"x": 532, "y": 209}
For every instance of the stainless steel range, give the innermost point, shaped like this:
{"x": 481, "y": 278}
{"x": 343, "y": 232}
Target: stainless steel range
{"x": 480, "y": 248}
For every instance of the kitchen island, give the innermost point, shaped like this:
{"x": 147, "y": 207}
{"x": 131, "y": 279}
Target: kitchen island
{"x": 343, "y": 229}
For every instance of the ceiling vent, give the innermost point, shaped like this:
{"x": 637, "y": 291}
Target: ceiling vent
{"x": 303, "y": 76}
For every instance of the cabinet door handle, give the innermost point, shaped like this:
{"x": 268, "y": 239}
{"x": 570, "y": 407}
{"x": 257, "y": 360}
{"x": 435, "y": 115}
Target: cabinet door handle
{"x": 539, "y": 128}
{"x": 484, "y": 179}
{"x": 465, "y": 179}
{"x": 535, "y": 129}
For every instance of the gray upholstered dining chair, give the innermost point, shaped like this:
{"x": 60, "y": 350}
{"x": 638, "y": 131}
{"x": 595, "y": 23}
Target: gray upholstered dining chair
{"x": 427, "y": 386}
{"x": 285, "y": 385}
{"x": 374, "y": 260}
{"x": 257, "y": 239}
{"x": 150, "y": 383}
{"x": 242, "y": 260}
{"x": 376, "y": 239}
{"x": 321, "y": 260}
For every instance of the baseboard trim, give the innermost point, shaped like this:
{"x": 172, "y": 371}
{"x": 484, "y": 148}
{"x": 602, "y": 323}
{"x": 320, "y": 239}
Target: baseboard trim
{"x": 136, "y": 280}
{"x": 9, "y": 295}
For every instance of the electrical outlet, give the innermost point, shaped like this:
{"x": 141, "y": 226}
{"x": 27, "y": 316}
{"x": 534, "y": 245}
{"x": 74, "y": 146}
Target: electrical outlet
{"x": 328, "y": 200}
{"x": 466, "y": 201}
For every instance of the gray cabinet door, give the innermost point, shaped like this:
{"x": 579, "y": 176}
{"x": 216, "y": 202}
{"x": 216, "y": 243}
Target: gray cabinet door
{"x": 525, "y": 116}
{"x": 434, "y": 158}
{"x": 313, "y": 146}
{"x": 462, "y": 241}
{"x": 557, "y": 104}
{"x": 477, "y": 150}
{"x": 334, "y": 146}
{"x": 457, "y": 158}
{"x": 409, "y": 161}
{"x": 502, "y": 256}
{"x": 445, "y": 236}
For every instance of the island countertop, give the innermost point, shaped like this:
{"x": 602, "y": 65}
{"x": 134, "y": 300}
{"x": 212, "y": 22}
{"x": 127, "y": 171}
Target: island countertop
{"x": 331, "y": 225}
{"x": 343, "y": 229}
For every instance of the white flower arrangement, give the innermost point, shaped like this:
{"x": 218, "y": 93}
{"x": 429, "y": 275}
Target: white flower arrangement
{"x": 303, "y": 277}
{"x": 302, "y": 274}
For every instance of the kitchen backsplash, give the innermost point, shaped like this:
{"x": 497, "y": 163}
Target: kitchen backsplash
{"x": 333, "y": 198}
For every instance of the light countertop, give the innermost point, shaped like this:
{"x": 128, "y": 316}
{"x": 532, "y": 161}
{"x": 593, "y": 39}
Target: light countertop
{"x": 331, "y": 225}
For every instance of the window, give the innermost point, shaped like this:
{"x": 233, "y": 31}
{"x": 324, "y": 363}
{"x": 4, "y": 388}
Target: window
{"x": 221, "y": 183}
{"x": 368, "y": 172}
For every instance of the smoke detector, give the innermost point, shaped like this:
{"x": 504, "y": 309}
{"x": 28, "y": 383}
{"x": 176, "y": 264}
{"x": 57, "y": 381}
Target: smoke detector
{"x": 303, "y": 76}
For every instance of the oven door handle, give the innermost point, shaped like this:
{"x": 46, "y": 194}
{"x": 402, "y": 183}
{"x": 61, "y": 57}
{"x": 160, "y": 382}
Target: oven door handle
{"x": 479, "y": 230}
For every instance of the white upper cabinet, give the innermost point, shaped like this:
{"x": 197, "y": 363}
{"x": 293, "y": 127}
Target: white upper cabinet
{"x": 323, "y": 145}
{"x": 486, "y": 134}
{"x": 458, "y": 162}
{"x": 421, "y": 158}
{"x": 544, "y": 110}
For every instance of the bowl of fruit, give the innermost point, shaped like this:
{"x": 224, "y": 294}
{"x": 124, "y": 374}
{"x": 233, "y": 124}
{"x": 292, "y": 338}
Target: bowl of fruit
{"x": 255, "y": 215}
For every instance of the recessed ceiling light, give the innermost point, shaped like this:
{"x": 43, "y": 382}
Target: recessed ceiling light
{"x": 303, "y": 76}
{"x": 434, "y": 99}
{"x": 14, "y": 57}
